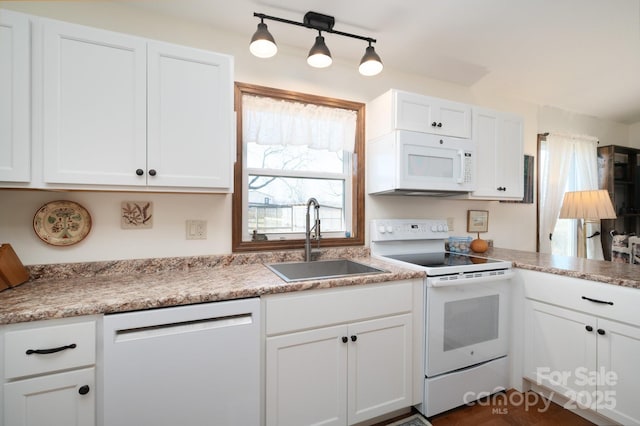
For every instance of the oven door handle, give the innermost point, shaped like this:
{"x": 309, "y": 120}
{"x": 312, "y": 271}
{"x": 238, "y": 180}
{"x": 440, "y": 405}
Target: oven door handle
{"x": 436, "y": 282}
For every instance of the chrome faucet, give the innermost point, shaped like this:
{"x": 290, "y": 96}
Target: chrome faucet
{"x": 315, "y": 228}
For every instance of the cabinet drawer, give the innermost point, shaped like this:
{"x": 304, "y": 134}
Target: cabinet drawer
{"x": 600, "y": 299}
{"x": 62, "y": 347}
{"x": 304, "y": 310}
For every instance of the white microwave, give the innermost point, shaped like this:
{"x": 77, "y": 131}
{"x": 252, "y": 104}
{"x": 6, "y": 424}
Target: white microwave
{"x": 414, "y": 163}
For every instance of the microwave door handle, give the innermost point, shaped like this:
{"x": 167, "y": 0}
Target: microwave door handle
{"x": 461, "y": 176}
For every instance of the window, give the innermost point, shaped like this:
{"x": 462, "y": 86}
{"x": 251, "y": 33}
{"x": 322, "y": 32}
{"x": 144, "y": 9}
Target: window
{"x": 291, "y": 147}
{"x": 567, "y": 163}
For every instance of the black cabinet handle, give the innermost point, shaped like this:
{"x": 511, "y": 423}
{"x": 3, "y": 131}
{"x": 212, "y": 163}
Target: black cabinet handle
{"x": 84, "y": 390}
{"x": 434, "y": 124}
{"x": 152, "y": 172}
{"x": 344, "y": 339}
{"x": 597, "y": 301}
{"x": 50, "y": 351}
{"x": 502, "y": 188}
{"x": 354, "y": 338}
{"x": 439, "y": 124}
{"x": 601, "y": 332}
{"x": 139, "y": 172}
{"x": 589, "y": 328}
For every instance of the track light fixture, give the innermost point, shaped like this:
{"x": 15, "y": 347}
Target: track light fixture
{"x": 264, "y": 46}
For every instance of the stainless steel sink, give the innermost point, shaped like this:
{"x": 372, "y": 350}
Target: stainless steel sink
{"x": 321, "y": 269}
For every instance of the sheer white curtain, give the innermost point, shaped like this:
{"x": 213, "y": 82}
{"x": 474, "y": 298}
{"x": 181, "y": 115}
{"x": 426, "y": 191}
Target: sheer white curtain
{"x": 269, "y": 121}
{"x": 567, "y": 163}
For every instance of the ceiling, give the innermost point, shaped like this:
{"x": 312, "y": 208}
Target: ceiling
{"x": 581, "y": 56}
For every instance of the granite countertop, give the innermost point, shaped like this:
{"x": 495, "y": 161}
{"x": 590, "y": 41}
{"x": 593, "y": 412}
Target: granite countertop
{"x": 622, "y": 274}
{"x": 67, "y": 290}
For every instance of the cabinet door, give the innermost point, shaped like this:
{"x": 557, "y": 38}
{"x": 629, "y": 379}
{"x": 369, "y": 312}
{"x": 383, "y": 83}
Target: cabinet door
{"x": 510, "y": 157}
{"x": 559, "y": 349}
{"x": 380, "y": 367}
{"x": 190, "y": 113}
{"x": 15, "y": 80}
{"x": 306, "y": 378}
{"x": 64, "y": 399}
{"x": 94, "y": 106}
{"x": 431, "y": 115}
{"x": 486, "y": 135}
{"x": 500, "y": 173}
{"x": 619, "y": 372}
{"x": 455, "y": 119}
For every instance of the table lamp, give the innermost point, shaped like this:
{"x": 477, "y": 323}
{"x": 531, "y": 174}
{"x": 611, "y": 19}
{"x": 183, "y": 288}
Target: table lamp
{"x": 589, "y": 206}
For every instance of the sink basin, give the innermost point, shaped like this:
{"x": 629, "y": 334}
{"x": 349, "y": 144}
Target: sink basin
{"x": 321, "y": 269}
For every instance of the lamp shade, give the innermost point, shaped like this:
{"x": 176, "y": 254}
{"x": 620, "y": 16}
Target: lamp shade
{"x": 262, "y": 43}
{"x": 319, "y": 55}
{"x": 594, "y": 205}
{"x": 370, "y": 64}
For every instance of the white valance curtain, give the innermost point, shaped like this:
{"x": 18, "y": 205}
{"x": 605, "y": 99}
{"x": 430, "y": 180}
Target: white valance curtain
{"x": 269, "y": 121}
{"x": 564, "y": 154}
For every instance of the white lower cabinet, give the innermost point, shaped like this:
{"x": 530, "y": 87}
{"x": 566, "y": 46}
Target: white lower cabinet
{"x": 307, "y": 378}
{"x": 582, "y": 341}
{"x": 48, "y": 373}
{"x": 63, "y": 399}
{"x": 618, "y": 354}
{"x": 339, "y": 365}
{"x": 379, "y": 367}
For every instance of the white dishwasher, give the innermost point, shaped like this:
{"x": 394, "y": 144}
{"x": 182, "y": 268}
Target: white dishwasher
{"x": 192, "y": 365}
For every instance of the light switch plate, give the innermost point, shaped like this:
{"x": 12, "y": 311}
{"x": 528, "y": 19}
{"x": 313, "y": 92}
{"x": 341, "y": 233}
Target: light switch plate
{"x": 196, "y": 230}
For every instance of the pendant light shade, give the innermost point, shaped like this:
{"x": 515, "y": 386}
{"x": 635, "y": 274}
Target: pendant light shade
{"x": 262, "y": 43}
{"x": 319, "y": 55}
{"x": 370, "y": 64}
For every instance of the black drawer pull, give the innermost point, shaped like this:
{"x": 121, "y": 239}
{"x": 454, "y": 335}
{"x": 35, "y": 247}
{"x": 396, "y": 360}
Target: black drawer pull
{"x": 50, "y": 351}
{"x": 597, "y": 301}
{"x": 84, "y": 390}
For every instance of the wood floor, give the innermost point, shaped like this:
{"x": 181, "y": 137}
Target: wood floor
{"x": 512, "y": 408}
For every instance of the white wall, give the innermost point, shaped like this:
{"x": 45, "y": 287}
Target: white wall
{"x": 608, "y": 132}
{"x": 510, "y": 225}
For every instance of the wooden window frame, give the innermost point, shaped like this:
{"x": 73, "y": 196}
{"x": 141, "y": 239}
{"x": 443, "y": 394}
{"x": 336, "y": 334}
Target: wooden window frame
{"x": 357, "y": 208}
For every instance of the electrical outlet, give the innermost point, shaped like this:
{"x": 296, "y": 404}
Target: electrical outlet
{"x": 196, "y": 229}
{"x": 450, "y": 223}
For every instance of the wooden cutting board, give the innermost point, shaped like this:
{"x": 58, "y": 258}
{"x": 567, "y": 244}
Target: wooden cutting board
{"x": 12, "y": 271}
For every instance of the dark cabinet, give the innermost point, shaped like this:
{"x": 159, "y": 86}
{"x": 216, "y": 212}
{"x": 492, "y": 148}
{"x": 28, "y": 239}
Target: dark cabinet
{"x": 619, "y": 173}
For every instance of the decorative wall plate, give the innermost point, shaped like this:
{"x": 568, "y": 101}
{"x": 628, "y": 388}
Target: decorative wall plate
{"x": 62, "y": 223}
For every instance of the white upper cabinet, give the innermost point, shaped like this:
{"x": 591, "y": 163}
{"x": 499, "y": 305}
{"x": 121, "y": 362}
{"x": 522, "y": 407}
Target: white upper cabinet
{"x": 94, "y": 115}
{"x": 398, "y": 110}
{"x": 112, "y": 111}
{"x": 500, "y": 155}
{"x": 190, "y": 127}
{"x": 15, "y": 80}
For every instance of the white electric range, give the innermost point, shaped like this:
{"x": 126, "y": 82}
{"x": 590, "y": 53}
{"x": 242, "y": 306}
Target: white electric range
{"x": 466, "y": 311}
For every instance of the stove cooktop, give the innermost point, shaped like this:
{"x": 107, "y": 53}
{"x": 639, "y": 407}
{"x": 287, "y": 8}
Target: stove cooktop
{"x": 442, "y": 259}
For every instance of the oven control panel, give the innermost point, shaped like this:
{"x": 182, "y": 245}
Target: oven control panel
{"x": 408, "y": 229}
